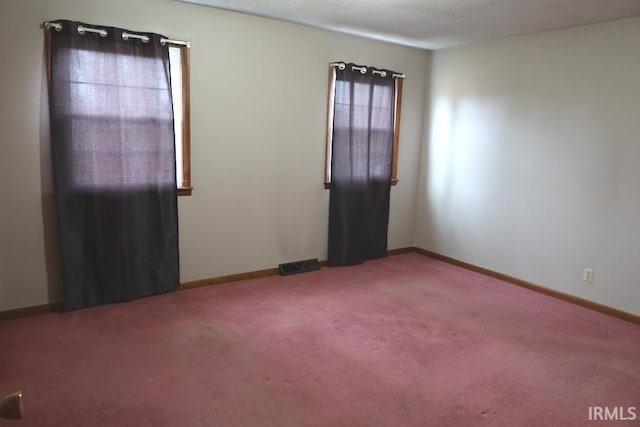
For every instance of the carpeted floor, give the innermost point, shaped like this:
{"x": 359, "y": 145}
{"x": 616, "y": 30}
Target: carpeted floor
{"x": 401, "y": 341}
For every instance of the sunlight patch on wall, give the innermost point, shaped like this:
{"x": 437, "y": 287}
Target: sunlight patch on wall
{"x": 464, "y": 153}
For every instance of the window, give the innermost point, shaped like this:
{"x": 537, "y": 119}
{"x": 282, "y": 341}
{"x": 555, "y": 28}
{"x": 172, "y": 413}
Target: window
{"x": 379, "y": 102}
{"x": 87, "y": 87}
{"x": 179, "y": 62}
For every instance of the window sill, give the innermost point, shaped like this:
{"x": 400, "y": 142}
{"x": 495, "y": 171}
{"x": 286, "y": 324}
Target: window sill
{"x": 185, "y": 191}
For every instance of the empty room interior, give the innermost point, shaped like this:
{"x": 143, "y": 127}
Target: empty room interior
{"x": 356, "y": 213}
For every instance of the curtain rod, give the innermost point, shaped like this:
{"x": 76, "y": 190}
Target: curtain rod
{"x": 363, "y": 70}
{"x": 125, "y": 35}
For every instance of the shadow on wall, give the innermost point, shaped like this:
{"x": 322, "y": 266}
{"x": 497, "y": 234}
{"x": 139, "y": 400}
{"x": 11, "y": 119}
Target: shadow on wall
{"x": 47, "y": 196}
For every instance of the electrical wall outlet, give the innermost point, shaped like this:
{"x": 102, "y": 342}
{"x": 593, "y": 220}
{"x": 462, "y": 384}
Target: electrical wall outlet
{"x": 587, "y": 276}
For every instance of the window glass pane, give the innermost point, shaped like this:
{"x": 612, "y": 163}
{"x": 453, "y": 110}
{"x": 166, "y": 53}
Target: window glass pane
{"x": 354, "y": 113}
{"x": 95, "y": 81}
{"x": 90, "y": 82}
{"x": 176, "y": 92}
{"x": 358, "y": 111}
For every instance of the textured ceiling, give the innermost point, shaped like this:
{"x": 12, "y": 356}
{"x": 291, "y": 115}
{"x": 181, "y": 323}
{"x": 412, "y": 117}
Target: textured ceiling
{"x": 434, "y": 24}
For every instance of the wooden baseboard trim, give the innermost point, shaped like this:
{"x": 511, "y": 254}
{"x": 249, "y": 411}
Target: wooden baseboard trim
{"x": 47, "y": 308}
{"x": 263, "y": 273}
{"x": 228, "y": 278}
{"x": 30, "y": 311}
{"x": 537, "y": 288}
{"x": 401, "y": 251}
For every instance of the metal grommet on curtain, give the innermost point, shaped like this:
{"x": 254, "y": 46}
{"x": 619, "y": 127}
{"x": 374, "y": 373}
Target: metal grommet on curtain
{"x": 363, "y": 70}
{"x": 126, "y": 36}
{"x": 341, "y": 66}
{"x": 55, "y": 25}
{"x": 83, "y": 30}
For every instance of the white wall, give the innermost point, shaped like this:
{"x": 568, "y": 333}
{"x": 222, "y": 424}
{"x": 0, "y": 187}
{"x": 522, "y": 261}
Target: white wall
{"x": 530, "y": 167}
{"x": 258, "y": 106}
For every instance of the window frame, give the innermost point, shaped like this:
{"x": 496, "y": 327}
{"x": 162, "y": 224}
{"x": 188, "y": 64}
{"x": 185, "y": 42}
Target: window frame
{"x": 397, "y": 110}
{"x": 185, "y": 187}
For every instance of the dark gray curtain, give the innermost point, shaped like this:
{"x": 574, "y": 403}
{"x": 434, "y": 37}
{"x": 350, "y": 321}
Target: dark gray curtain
{"x": 114, "y": 161}
{"x": 361, "y": 159}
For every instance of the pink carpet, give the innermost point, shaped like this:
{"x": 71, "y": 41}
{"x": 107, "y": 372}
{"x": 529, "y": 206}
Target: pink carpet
{"x": 402, "y": 341}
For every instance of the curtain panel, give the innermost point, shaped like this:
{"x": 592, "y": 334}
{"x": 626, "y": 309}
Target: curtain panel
{"x": 114, "y": 164}
{"x": 360, "y": 165}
